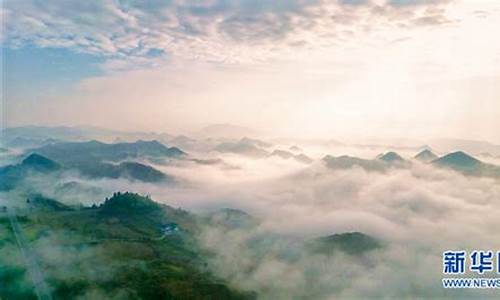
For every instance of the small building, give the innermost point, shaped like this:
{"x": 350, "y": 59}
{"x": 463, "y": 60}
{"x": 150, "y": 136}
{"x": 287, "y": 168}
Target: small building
{"x": 169, "y": 228}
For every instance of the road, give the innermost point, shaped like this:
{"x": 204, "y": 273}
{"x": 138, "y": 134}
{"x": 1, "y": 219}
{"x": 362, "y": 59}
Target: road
{"x": 41, "y": 289}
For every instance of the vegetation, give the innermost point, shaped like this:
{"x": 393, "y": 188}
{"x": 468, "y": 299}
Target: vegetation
{"x": 12, "y": 175}
{"x": 12, "y": 273}
{"x": 116, "y": 250}
{"x": 353, "y": 243}
{"x": 42, "y": 203}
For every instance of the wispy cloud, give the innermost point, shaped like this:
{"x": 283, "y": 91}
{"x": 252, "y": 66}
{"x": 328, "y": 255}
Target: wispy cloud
{"x": 135, "y": 32}
{"x": 295, "y": 66}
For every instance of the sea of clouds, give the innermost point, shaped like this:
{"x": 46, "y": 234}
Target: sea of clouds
{"x": 417, "y": 212}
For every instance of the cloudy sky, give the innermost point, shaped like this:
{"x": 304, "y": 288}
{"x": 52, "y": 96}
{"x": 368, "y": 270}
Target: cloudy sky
{"x": 381, "y": 68}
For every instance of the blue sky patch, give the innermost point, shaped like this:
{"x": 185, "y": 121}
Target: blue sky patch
{"x": 40, "y": 68}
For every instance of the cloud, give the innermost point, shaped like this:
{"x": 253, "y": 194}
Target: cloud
{"x": 235, "y": 31}
{"x": 418, "y": 212}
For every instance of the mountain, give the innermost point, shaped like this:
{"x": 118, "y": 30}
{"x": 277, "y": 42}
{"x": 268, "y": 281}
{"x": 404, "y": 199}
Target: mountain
{"x": 391, "y": 157}
{"x": 130, "y": 170}
{"x": 347, "y": 162}
{"x": 135, "y": 210}
{"x": 117, "y": 250}
{"x": 93, "y": 159}
{"x": 230, "y": 218}
{"x": 459, "y": 161}
{"x": 352, "y": 243}
{"x": 141, "y": 172}
{"x": 42, "y": 203}
{"x": 71, "y": 153}
{"x": 40, "y": 163}
{"x": 129, "y": 204}
{"x": 426, "y": 156}
{"x": 37, "y": 134}
{"x": 12, "y": 175}
{"x": 78, "y": 191}
{"x": 468, "y": 165}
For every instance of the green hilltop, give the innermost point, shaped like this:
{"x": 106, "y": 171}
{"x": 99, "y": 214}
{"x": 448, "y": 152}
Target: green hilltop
{"x": 119, "y": 249}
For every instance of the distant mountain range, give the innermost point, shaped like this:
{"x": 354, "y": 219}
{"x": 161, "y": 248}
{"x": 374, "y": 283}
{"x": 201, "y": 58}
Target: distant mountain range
{"x": 347, "y": 162}
{"x": 35, "y": 136}
{"x": 257, "y": 149}
{"x": 71, "y": 153}
{"x": 92, "y": 160}
{"x": 379, "y": 164}
{"x": 35, "y": 164}
{"x": 457, "y": 161}
{"x": 12, "y": 175}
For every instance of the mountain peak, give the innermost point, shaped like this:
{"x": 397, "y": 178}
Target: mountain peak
{"x": 426, "y": 155}
{"x": 176, "y": 152}
{"x": 391, "y": 157}
{"x": 353, "y": 243}
{"x": 130, "y": 204}
{"x": 458, "y": 160}
{"x": 40, "y": 162}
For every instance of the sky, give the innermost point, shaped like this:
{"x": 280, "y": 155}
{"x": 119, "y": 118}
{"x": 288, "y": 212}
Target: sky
{"x": 296, "y": 68}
